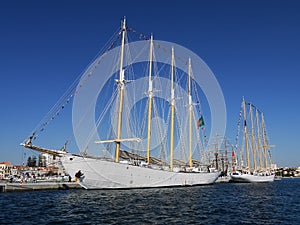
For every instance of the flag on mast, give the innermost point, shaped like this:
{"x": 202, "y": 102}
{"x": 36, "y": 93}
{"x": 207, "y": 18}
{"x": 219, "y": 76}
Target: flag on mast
{"x": 200, "y": 122}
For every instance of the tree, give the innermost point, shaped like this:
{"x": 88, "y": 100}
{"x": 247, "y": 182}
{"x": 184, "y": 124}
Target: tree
{"x": 34, "y": 161}
{"x": 31, "y": 161}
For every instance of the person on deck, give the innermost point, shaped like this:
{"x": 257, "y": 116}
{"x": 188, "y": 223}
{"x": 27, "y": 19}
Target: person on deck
{"x": 78, "y": 175}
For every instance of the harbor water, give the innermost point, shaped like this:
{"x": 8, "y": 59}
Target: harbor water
{"x": 221, "y": 203}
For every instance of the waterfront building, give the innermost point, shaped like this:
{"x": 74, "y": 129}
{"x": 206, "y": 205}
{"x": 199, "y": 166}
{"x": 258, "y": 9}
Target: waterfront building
{"x": 5, "y": 169}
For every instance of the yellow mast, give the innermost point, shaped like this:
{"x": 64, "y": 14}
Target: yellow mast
{"x": 190, "y": 115}
{"x": 150, "y": 92}
{"x": 172, "y": 112}
{"x": 258, "y": 141}
{"x": 246, "y": 136}
{"x": 121, "y": 83}
{"x": 216, "y": 152}
{"x": 264, "y": 141}
{"x": 253, "y": 137}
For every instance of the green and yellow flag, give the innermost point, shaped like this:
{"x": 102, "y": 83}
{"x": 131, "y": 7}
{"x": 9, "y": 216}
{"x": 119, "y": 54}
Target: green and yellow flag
{"x": 200, "y": 122}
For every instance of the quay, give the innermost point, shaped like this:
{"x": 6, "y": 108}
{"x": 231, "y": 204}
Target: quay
{"x": 13, "y": 187}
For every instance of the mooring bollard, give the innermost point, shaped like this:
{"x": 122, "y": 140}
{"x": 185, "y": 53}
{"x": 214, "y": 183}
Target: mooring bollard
{"x": 2, "y": 188}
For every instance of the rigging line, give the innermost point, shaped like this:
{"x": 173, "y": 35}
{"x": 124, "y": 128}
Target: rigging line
{"x": 180, "y": 77}
{"x": 243, "y": 150}
{"x": 60, "y": 104}
{"x": 92, "y": 68}
{"x": 156, "y": 71}
{"x": 81, "y": 120}
{"x": 86, "y": 111}
{"x": 70, "y": 92}
{"x": 138, "y": 34}
{"x": 157, "y": 114}
{"x": 145, "y": 37}
{"x": 166, "y": 50}
{"x": 50, "y": 115}
{"x": 128, "y": 100}
{"x": 144, "y": 119}
{"x": 143, "y": 129}
{"x": 250, "y": 103}
{"x": 128, "y": 56}
{"x": 182, "y": 131}
{"x": 140, "y": 52}
{"x": 196, "y": 94}
{"x": 160, "y": 136}
{"x": 198, "y": 104}
{"x": 198, "y": 136}
{"x": 160, "y": 70}
{"x": 239, "y": 125}
{"x": 131, "y": 76}
{"x": 100, "y": 118}
{"x": 108, "y": 45}
{"x": 129, "y": 121}
{"x": 168, "y": 59}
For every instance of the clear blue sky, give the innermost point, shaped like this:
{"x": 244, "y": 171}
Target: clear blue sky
{"x": 253, "y": 48}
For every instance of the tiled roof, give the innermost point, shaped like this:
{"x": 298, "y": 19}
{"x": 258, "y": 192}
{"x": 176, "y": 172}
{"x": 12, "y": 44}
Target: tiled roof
{"x": 6, "y": 163}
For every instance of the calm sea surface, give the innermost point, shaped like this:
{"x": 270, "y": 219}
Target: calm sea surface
{"x": 223, "y": 203}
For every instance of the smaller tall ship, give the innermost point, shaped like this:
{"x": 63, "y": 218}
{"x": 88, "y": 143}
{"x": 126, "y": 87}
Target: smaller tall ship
{"x": 146, "y": 132}
{"x": 252, "y": 159}
{"x": 220, "y": 153}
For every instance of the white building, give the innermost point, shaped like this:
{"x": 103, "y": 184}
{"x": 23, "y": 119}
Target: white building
{"x": 5, "y": 169}
{"x": 50, "y": 160}
{"x": 274, "y": 166}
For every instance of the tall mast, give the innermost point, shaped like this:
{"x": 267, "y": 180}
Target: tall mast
{"x": 190, "y": 115}
{"x": 258, "y": 141}
{"x": 172, "y": 112}
{"x": 121, "y": 83}
{"x": 264, "y": 140}
{"x": 217, "y": 153}
{"x": 246, "y": 136}
{"x": 150, "y": 93}
{"x": 253, "y": 137}
{"x": 225, "y": 157}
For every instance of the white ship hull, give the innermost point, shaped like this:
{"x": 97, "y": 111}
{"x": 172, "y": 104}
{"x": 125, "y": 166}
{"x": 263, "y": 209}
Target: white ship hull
{"x": 102, "y": 174}
{"x": 249, "y": 178}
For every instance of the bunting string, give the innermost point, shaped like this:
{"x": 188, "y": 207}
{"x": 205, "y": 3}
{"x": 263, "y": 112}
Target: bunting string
{"x": 183, "y": 61}
{"x": 239, "y": 127}
{"x": 75, "y": 89}
{"x": 61, "y": 106}
{"x": 166, "y": 50}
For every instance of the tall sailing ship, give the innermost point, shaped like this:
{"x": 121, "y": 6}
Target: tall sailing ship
{"x": 222, "y": 155}
{"x": 127, "y": 147}
{"x": 252, "y": 160}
